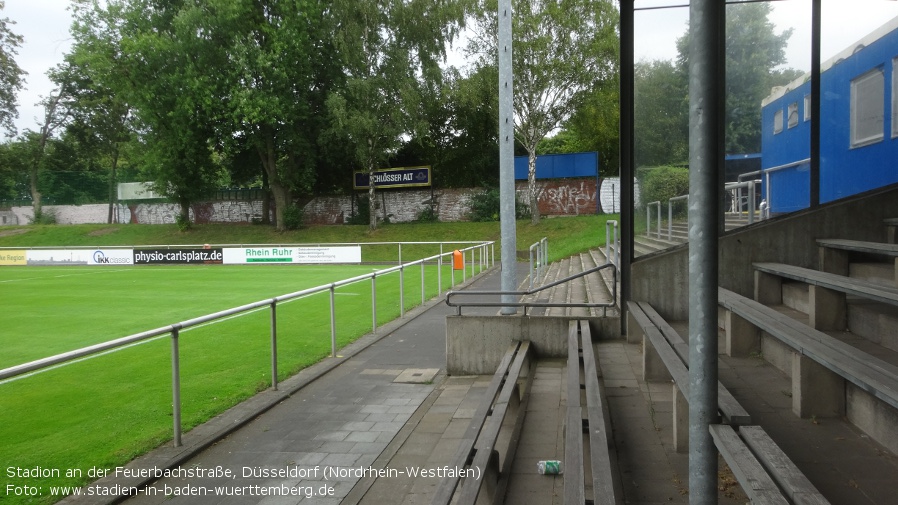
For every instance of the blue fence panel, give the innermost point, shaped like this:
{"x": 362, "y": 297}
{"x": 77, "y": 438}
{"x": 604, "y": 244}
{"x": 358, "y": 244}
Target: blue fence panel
{"x": 790, "y": 189}
{"x": 559, "y": 166}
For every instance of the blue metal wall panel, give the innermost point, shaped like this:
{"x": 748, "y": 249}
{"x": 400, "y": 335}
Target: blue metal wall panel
{"x": 559, "y": 166}
{"x": 844, "y": 171}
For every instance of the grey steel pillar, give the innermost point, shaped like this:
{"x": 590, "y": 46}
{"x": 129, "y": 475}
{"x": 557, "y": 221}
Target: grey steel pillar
{"x": 506, "y": 159}
{"x": 815, "y": 103}
{"x": 627, "y": 147}
{"x": 705, "y": 138}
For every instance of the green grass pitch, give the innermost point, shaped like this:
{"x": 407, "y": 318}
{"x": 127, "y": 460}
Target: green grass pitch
{"x": 106, "y": 410}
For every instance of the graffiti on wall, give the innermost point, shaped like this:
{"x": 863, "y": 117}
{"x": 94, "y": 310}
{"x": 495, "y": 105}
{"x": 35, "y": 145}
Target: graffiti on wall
{"x": 567, "y": 198}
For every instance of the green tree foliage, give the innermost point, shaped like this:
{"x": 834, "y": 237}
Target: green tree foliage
{"x": 461, "y": 141}
{"x": 279, "y": 68}
{"x": 661, "y": 120}
{"x": 662, "y": 183}
{"x": 595, "y": 126}
{"x": 562, "y": 49}
{"x": 753, "y": 50}
{"x": 383, "y": 47}
{"x": 12, "y": 77}
{"x": 100, "y": 115}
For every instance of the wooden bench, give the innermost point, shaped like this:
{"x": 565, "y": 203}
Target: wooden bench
{"x": 814, "y": 391}
{"x": 501, "y": 409}
{"x": 834, "y": 253}
{"x": 606, "y": 485}
{"x": 667, "y": 358}
{"x": 763, "y": 470}
{"x": 827, "y": 307}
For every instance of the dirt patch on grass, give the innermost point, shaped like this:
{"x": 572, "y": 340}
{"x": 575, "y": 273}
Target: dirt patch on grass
{"x": 17, "y": 231}
{"x": 101, "y": 232}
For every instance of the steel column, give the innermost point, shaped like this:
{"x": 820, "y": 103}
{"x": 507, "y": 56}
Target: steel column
{"x": 274, "y": 345}
{"x": 506, "y": 159}
{"x": 627, "y": 168}
{"x": 176, "y": 385}
{"x": 705, "y": 138}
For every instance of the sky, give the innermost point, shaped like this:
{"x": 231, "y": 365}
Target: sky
{"x": 45, "y": 23}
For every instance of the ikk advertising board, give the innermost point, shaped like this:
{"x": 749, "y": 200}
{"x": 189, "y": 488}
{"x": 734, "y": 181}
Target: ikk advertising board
{"x": 99, "y": 257}
{"x": 292, "y": 255}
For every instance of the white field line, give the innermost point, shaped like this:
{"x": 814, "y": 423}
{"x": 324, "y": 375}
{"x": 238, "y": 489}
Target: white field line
{"x": 117, "y": 349}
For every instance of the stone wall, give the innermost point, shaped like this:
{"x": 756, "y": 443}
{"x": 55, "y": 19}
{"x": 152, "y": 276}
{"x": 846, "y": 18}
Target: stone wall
{"x": 559, "y": 197}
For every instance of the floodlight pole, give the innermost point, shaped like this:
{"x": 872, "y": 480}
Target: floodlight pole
{"x": 506, "y": 159}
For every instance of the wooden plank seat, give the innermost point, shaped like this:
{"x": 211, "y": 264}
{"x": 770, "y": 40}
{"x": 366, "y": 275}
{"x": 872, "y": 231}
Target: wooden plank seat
{"x": 860, "y": 246}
{"x": 835, "y": 254}
{"x": 763, "y": 470}
{"x": 502, "y": 408}
{"x": 841, "y": 283}
{"x": 827, "y": 292}
{"x": 815, "y": 392}
{"x": 667, "y": 359}
{"x": 604, "y": 480}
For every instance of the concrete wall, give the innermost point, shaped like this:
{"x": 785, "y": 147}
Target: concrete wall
{"x": 662, "y": 278}
{"x": 558, "y": 197}
{"x": 475, "y": 345}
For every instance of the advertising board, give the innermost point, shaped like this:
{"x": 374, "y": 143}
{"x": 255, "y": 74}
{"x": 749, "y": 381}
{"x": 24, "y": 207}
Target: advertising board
{"x": 294, "y": 255}
{"x": 12, "y": 257}
{"x": 98, "y": 257}
{"x": 178, "y": 256}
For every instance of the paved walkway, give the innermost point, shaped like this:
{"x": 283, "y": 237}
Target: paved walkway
{"x": 318, "y": 435}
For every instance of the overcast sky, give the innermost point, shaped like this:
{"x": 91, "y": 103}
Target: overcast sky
{"x": 45, "y": 23}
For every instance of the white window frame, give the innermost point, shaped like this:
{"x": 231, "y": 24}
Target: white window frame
{"x": 792, "y": 115}
{"x": 778, "y": 122}
{"x": 876, "y": 113}
{"x": 807, "y": 107}
{"x": 894, "y": 98}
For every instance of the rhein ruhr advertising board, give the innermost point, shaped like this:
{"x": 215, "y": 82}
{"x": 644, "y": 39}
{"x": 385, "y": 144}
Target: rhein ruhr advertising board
{"x": 294, "y": 255}
{"x": 407, "y": 177}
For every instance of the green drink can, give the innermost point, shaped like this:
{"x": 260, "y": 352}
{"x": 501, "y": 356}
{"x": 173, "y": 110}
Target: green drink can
{"x": 549, "y": 467}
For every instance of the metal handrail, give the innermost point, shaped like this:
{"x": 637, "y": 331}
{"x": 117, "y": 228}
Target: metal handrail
{"x": 648, "y": 218}
{"x": 615, "y": 258}
{"x": 539, "y": 251}
{"x": 526, "y": 305}
{"x": 670, "y": 214}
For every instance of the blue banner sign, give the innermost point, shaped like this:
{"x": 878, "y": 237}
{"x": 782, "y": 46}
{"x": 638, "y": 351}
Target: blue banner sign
{"x": 407, "y": 177}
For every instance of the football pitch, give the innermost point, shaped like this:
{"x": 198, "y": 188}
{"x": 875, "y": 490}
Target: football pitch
{"x": 103, "y": 410}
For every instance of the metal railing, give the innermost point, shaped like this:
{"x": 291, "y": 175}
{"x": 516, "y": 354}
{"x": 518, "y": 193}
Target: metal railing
{"x": 738, "y": 199}
{"x": 539, "y": 259}
{"x": 526, "y": 305}
{"x": 609, "y": 243}
{"x": 766, "y": 174}
{"x": 670, "y": 215}
{"x": 648, "y": 218}
{"x": 175, "y": 329}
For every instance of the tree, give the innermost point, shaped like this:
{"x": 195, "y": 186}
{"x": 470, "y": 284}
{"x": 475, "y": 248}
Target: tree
{"x": 562, "y": 49}
{"x": 11, "y": 75}
{"x": 593, "y": 127}
{"x": 280, "y": 67}
{"x": 661, "y": 120}
{"x": 753, "y": 50}
{"x": 54, "y": 117}
{"x": 384, "y": 47}
{"x": 165, "y": 56}
{"x": 101, "y": 116}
